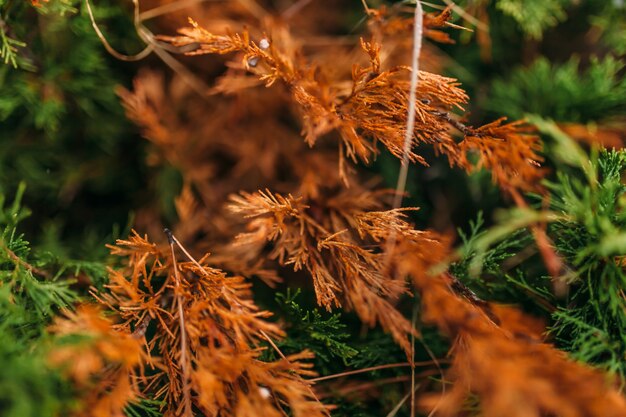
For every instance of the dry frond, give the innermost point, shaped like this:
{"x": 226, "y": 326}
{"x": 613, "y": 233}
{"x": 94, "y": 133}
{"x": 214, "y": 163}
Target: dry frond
{"x": 229, "y": 149}
{"x": 375, "y": 108}
{"x": 189, "y": 315}
{"x": 371, "y": 111}
{"x": 175, "y": 139}
{"x": 238, "y": 384}
{"x": 327, "y": 239}
{"x": 106, "y": 366}
{"x": 385, "y": 22}
{"x": 500, "y": 355}
{"x": 490, "y": 341}
{"x": 379, "y": 225}
{"x": 210, "y": 43}
{"x": 509, "y": 151}
{"x": 533, "y": 378}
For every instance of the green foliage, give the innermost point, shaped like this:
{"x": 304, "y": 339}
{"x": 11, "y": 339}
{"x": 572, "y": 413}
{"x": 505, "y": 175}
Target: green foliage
{"x": 534, "y": 19}
{"x": 501, "y": 263}
{"x": 325, "y": 336}
{"x": 587, "y": 224}
{"x": 88, "y": 259}
{"x": 63, "y": 129}
{"x": 613, "y": 29}
{"x": 9, "y": 49}
{"x": 28, "y": 387}
{"x": 588, "y": 343}
{"x": 562, "y": 92}
{"x": 378, "y": 349}
{"x": 71, "y": 77}
{"x": 535, "y": 16}
{"x": 36, "y": 296}
{"x": 492, "y": 259}
{"x": 145, "y": 408}
{"x": 14, "y": 51}
{"x": 591, "y": 235}
{"x": 29, "y": 297}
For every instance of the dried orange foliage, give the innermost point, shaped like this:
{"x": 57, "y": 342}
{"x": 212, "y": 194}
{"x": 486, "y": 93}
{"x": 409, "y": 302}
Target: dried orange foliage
{"x": 316, "y": 231}
{"x": 38, "y": 3}
{"x": 508, "y": 151}
{"x": 499, "y": 354}
{"x": 512, "y": 372}
{"x": 374, "y": 108}
{"x": 104, "y": 366}
{"x": 387, "y": 22}
{"x": 346, "y": 98}
{"x": 607, "y": 136}
{"x": 328, "y": 240}
{"x": 209, "y": 366}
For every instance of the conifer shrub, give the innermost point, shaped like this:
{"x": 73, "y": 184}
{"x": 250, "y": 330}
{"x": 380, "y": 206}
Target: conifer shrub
{"x": 312, "y": 208}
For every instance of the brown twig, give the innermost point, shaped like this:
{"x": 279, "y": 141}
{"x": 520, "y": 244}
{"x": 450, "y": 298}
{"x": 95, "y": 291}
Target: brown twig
{"x": 25, "y": 264}
{"x": 370, "y": 369}
{"x": 292, "y": 10}
{"x": 480, "y": 25}
{"x": 374, "y": 384}
{"x": 122, "y": 57}
{"x": 183, "y": 332}
{"x": 553, "y": 262}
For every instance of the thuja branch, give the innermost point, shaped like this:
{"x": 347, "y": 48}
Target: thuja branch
{"x": 379, "y": 108}
{"x": 206, "y": 335}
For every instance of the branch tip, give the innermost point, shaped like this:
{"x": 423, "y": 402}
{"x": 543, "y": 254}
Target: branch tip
{"x": 170, "y": 236}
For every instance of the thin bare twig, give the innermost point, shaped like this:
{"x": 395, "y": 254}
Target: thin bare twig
{"x": 151, "y": 46}
{"x": 398, "y": 406}
{"x": 480, "y": 25}
{"x": 122, "y": 57}
{"x": 365, "y": 6}
{"x": 379, "y": 382}
{"x": 292, "y": 10}
{"x": 440, "y": 370}
{"x": 271, "y": 342}
{"x": 183, "y": 332}
{"x": 370, "y": 369}
{"x": 365, "y": 386}
{"x": 410, "y": 123}
{"x": 167, "y": 8}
